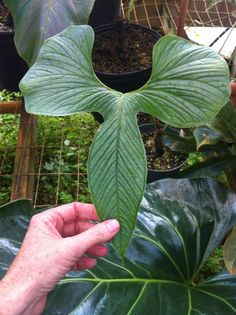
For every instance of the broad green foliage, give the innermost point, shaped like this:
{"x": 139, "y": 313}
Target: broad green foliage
{"x": 220, "y": 133}
{"x": 36, "y": 20}
{"x": 188, "y": 86}
{"x": 225, "y": 123}
{"x": 218, "y": 140}
{"x": 179, "y": 225}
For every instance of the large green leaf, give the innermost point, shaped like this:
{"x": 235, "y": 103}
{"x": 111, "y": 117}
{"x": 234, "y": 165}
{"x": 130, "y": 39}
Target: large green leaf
{"x": 188, "y": 86}
{"x": 179, "y": 225}
{"x": 36, "y": 20}
{"x": 225, "y": 123}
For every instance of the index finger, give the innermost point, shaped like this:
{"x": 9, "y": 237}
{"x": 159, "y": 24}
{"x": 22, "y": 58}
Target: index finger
{"x": 75, "y": 211}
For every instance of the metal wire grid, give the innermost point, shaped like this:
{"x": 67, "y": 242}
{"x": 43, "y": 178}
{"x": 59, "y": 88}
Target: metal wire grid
{"x": 56, "y": 173}
{"x": 7, "y": 154}
{"x": 59, "y": 176}
{"x": 153, "y": 14}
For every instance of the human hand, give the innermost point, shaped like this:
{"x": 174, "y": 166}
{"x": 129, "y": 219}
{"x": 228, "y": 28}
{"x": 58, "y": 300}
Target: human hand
{"x": 56, "y": 242}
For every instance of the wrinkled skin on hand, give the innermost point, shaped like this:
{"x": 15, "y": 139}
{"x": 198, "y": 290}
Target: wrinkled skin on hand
{"x": 60, "y": 240}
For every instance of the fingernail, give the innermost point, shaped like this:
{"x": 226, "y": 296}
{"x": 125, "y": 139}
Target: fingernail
{"x": 112, "y": 226}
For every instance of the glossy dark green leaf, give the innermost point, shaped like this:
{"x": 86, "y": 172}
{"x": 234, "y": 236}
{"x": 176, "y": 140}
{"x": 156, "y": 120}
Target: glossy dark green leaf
{"x": 205, "y": 136}
{"x": 188, "y": 86}
{"x": 179, "y": 225}
{"x": 36, "y": 20}
{"x": 210, "y": 168}
{"x": 14, "y": 220}
{"x": 225, "y": 123}
{"x": 178, "y": 143}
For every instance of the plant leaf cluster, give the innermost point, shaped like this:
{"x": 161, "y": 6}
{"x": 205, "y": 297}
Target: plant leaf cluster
{"x": 35, "y": 21}
{"x": 217, "y": 140}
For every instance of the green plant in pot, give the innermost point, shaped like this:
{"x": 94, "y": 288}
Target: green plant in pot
{"x": 181, "y": 92}
{"x": 216, "y": 141}
{"x": 179, "y": 225}
{"x": 218, "y": 138}
{"x": 162, "y": 162}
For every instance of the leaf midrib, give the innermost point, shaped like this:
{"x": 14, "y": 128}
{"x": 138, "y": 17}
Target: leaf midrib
{"x": 121, "y": 280}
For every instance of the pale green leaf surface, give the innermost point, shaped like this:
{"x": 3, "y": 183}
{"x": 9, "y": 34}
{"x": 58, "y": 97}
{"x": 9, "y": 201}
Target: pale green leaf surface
{"x": 37, "y": 20}
{"x": 189, "y": 83}
{"x": 117, "y": 172}
{"x": 181, "y": 92}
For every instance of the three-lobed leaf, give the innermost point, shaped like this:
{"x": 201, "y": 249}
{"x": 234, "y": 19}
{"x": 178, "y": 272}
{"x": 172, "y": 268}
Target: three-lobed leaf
{"x": 36, "y": 21}
{"x": 179, "y": 225}
{"x": 188, "y": 86}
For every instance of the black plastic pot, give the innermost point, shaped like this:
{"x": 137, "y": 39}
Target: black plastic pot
{"x": 154, "y": 175}
{"x": 12, "y": 66}
{"x": 104, "y": 12}
{"x": 126, "y": 81}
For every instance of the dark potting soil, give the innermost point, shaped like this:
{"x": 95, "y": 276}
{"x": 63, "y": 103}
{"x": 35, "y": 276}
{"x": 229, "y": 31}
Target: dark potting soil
{"x": 126, "y": 51}
{"x": 144, "y": 119}
{"x": 166, "y": 161}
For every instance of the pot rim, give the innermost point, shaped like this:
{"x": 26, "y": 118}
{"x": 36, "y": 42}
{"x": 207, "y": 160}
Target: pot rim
{"x": 8, "y": 32}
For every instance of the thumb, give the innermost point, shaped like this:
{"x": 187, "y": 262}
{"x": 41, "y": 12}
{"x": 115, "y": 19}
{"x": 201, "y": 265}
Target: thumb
{"x": 99, "y": 233}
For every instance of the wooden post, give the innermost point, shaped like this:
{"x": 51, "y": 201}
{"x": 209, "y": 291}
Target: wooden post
{"x": 23, "y": 178}
{"x": 183, "y": 9}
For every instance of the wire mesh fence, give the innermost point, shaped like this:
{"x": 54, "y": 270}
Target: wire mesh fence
{"x": 59, "y": 153}
{"x": 157, "y": 14}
